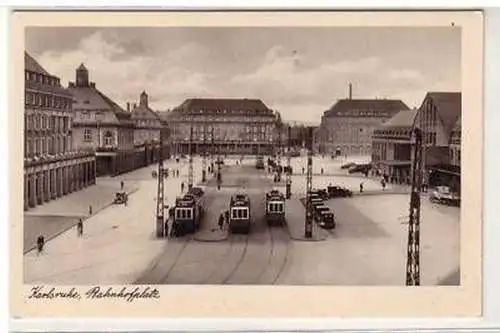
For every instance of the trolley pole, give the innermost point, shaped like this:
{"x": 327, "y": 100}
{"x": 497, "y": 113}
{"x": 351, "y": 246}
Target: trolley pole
{"x": 309, "y": 213}
{"x": 160, "y": 202}
{"x": 204, "y": 159}
{"x": 278, "y": 157}
{"x": 190, "y": 173}
{"x": 413, "y": 249}
{"x": 289, "y": 171}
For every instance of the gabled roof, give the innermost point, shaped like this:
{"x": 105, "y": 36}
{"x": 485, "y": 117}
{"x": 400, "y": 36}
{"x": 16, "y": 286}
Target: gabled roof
{"x": 30, "y": 64}
{"x": 402, "y": 119}
{"x": 366, "y": 108}
{"x": 90, "y": 98}
{"x": 449, "y": 107}
{"x": 232, "y": 105}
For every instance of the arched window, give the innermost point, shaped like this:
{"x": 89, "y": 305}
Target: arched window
{"x": 108, "y": 138}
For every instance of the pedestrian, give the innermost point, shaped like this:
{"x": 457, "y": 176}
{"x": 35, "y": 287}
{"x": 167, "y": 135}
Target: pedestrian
{"x": 322, "y": 171}
{"x": 221, "y": 221}
{"x": 166, "y": 228}
{"x": 383, "y": 184}
{"x": 360, "y": 187}
{"x": 40, "y": 242}
{"x": 90, "y": 209}
{"x": 80, "y": 227}
{"x": 177, "y": 173}
{"x": 303, "y": 170}
{"x": 182, "y": 187}
{"x": 121, "y": 185}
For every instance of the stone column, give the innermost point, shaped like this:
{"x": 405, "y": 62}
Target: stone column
{"x": 84, "y": 174}
{"x": 53, "y": 189}
{"x": 58, "y": 182}
{"x": 40, "y": 190}
{"x": 26, "y": 198}
{"x": 32, "y": 190}
{"x": 65, "y": 180}
{"x": 47, "y": 179}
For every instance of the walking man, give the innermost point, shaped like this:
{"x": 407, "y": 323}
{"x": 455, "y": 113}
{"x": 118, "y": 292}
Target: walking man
{"x": 360, "y": 187}
{"x": 90, "y": 210}
{"x": 40, "y": 242}
{"x": 121, "y": 185}
{"x": 221, "y": 221}
{"x": 322, "y": 171}
{"x": 182, "y": 187}
{"x": 383, "y": 184}
{"x": 79, "y": 227}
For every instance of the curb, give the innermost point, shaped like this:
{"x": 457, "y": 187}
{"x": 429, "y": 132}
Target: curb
{"x": 85, "y": 217}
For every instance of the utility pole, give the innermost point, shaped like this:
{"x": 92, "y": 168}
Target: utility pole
{"x": 219, "y": 175}
{"x": 160, "y": 202}
{"x": 204, "y": 160}
{"x": 309, "y": 212}
{"x": 278, "y": 157}
{"x": 289, "y": 171}
{"x": 413, "y": 250}
{"x": 212, "y": 151}
{"x": 190, "y": 173}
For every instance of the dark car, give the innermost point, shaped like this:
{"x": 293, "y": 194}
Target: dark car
{"x": 348, "y": 165}
{"x": 327, "y": 220}
{"x": 360, "y": 168}
{"x": 338, "y": 192}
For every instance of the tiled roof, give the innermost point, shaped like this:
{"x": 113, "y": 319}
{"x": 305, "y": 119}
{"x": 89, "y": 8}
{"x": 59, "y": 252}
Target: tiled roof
{"x": 32, "y": 65}
{"x": 90, "y": 98}
{"x": 144, "y": 112}
{"x": 449, "y": 107}
{"x": 366, "y": 108}
{"x": 233, "y": 106}
{"x": 402, "y": 119}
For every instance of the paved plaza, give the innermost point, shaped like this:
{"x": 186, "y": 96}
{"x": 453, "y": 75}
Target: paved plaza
{"x": 368, "y": 247}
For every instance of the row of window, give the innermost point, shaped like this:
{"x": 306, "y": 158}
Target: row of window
{"x": 184, "y": 213}
{"x": 40, "y": 121}
{"x": 46, "y": 145}
{"x": 276, "y": 207}
{"x": 40, "y": 78}
{"x": 107, "y": 137}
{"x": 46, "y": 100}
{"x": 239, "y": 213}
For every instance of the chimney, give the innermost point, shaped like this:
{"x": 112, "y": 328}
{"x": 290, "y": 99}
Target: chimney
{"x": 350, "y": 90}
{"x": 128, "y": 106}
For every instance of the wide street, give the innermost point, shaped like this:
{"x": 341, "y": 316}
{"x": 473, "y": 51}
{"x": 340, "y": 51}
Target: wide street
{"x": 367, "y": 248}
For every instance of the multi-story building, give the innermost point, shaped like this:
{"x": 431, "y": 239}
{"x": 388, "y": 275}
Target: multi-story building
{"x": 455, "y": 143}
{"x": 148, "y": 128}
{"x": 347, "y": 127}
{"x": 392, "y": 147}
{"x": 52, "y": 165}
{"x": 239, "y": 126}
{"x": 102, "y": 126}
{"x": 437, "y": 117}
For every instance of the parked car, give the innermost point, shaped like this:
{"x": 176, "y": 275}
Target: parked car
{"x": 348, "y": 165}
{"x": 361, "y": 168}
{"x": 443, "y": 195}
{"x": 338, "y": 192}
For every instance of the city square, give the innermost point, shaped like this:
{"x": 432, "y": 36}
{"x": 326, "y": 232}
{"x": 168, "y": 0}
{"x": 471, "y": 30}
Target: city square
{"x": 247, "y": 171}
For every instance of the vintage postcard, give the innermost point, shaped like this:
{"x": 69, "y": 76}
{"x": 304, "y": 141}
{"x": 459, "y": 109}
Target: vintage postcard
{"x": 246, "y": 164}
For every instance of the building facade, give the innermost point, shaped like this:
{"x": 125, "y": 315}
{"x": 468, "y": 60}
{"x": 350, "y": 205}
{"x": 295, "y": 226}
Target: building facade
{"x": 53, "y": 166}
{"x": 100, "y": 125}
{"x": 392, "y": 147}
{"x": 347, "y": 127}
{"x": 232, "y": 126}
{"x": 455, "y": 144}
{"x": 149, "y": 128}
{"x": 438, "y": 117}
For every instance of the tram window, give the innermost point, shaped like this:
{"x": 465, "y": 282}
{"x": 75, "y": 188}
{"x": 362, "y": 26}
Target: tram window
{"x": 188, "y": 213}
{"x": 280, "y": 207}
{"x": 244, "y": 213}
{"x": 235, "y": 213}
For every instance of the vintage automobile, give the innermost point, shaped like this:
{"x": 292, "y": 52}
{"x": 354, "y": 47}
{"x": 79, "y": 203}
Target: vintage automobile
{"x": 327, "y": 220}
{"x": 360, "y": 168}
{"x": 338, "y": 192}
{"x": 348, "y": 165}
{"x": 443, "y": 195}
{"x": 120, "y": 198}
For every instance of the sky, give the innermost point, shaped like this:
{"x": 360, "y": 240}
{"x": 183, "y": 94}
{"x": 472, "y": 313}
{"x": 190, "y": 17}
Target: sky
{"x": 300, "y": 72}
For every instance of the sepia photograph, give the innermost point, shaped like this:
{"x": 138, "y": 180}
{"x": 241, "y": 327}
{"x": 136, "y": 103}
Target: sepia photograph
{"x": 242, "y": 155}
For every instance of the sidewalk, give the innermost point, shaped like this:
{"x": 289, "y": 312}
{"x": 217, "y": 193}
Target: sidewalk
{"x": 117, "y": 244}
{"x": 56, "y": 216}
{"x": 295, "y": 213}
